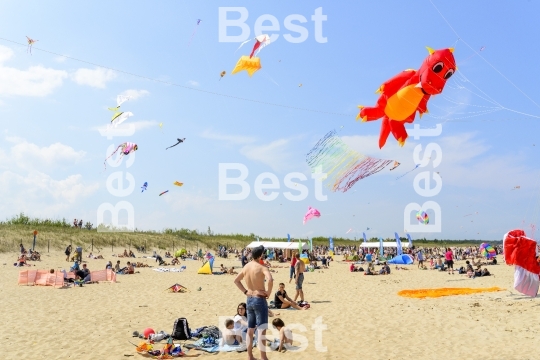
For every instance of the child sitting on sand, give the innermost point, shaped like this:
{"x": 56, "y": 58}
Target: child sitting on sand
{"x": 285, "y": 336}
{"x": 229, "y": 335}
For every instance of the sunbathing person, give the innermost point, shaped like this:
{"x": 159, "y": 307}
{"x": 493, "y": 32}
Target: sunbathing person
{"x": 22, "y": 260}
{"x": 385, "y": 270}
{"x": 223, "y": 269}
{"x": 159, "y": 259}
{"x": 35, "y": 256}
{"x": 283, "y": 301}
{"x": 175, "y": 261}
{"x": 129, "y": 269}
{"x": 117, "y": 268}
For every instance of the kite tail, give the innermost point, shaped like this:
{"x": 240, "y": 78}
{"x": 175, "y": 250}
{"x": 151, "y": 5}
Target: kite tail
{"x": 114, "y": 152}
{"x": 193, "y": 34}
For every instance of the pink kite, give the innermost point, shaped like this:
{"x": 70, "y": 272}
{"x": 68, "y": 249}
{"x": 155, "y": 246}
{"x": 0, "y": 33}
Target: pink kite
{"x": 311, "y": 213}
{"x": 521, "y": 252}
{"x": 127, "y": 148}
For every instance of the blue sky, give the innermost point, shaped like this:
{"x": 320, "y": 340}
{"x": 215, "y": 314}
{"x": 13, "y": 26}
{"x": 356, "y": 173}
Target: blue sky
{"x": 51, "y": 152}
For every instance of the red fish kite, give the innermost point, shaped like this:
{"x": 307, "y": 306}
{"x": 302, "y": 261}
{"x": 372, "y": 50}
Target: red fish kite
{"x": 408, "y": 92}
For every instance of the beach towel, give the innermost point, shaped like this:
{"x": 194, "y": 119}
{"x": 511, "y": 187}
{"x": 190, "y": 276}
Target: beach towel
{"x": 424, "y": 293}
{"x": 162, "y": 269}
{"x": 198, "y": 345}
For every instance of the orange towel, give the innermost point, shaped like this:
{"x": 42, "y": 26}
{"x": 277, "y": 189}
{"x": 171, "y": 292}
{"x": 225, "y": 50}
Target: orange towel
{"x": 424, "y": 293}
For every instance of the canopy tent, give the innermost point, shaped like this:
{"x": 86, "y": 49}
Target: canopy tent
{"x": 385, "y": 244}
{"x": 278, "y": 245}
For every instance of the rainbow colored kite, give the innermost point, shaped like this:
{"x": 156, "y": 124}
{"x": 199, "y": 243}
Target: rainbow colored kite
{"x": 342, "y": 165}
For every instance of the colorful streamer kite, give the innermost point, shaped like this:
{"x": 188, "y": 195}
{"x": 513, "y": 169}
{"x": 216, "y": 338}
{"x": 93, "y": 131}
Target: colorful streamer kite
{"x": 30, "y": 43}
{"x": 342, "y": 165}
{"x": 194, "y": 31}
{"x": 127, "y": 148}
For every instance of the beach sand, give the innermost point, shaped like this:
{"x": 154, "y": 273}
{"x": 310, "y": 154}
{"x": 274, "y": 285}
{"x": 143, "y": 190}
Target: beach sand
{"x": 364, "y": 316}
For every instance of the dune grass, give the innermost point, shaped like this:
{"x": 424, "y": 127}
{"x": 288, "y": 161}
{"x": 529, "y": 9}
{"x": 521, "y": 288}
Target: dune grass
{"x": 54, "y": 235}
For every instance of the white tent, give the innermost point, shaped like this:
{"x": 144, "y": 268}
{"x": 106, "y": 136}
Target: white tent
{"x": 293, "y": 245}
{"x": 385, "y": 244}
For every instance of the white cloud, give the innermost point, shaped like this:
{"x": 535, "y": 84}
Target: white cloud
{"x": 38, "y": 192}
{"x": 234, "y": 139}
{"x": 5, "y": 53}
{"x": 95, "y": 78}
{"x": 274, "y": 154}
{"x": 36, "y": 81}
{"x": 135, "y": 94}
{"x": 27, "y": 155}
{"x": 24, "y": 186}
{"x": 193, "y": 83}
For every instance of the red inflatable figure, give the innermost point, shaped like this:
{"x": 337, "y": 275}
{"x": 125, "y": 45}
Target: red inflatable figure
{"x": 409, "y": 92}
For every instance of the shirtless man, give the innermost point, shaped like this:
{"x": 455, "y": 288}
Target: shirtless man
{"x": 257, "y": 308}
{"x": 300, "y": 267}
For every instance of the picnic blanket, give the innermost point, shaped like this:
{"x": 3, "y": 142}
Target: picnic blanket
{"x": 162, "y": 269}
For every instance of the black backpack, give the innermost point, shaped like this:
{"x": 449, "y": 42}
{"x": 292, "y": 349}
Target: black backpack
{"x": 181, "y": 330}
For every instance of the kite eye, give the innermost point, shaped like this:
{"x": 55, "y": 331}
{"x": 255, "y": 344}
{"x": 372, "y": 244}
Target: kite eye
{"x": 449, "y": 73}
{"x": 437, "y": 68}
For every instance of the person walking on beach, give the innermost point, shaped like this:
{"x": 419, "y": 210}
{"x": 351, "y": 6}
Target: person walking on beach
{"x": 420, "y": 258}
{"x": 300, "y": 267}
{"x": 257, "y": 308}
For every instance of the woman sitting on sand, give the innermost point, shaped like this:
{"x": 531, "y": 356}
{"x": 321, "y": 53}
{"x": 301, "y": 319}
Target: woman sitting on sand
{"x": 22, "y": 260}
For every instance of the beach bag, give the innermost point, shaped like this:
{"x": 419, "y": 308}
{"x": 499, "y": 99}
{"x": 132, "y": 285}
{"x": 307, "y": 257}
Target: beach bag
{"x": 181, "y": 329}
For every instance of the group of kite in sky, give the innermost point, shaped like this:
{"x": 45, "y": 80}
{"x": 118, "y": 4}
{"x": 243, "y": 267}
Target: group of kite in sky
{"x": 129, "y": 147}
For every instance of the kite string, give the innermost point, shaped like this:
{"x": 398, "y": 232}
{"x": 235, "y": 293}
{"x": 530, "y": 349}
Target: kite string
{"x": 181, "y": 86}
{"x": 487, "y": 62}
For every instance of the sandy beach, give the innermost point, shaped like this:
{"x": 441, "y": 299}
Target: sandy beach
{"x": 365, "y": 317}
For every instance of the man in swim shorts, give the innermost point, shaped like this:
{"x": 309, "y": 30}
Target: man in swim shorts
{"x": 255, "y": 275}
{"x": 300, "y": 267}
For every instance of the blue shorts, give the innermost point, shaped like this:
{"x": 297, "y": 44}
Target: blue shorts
{"x": 257, "y": 312}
